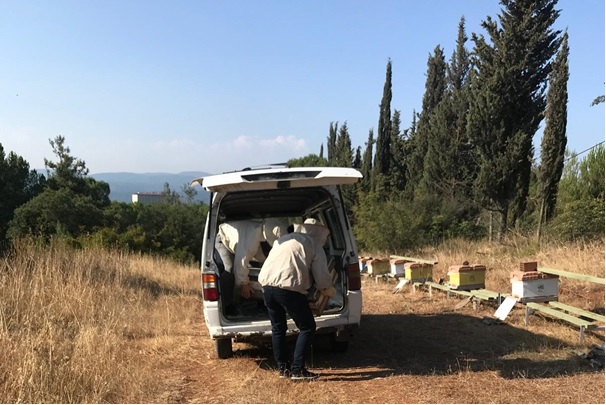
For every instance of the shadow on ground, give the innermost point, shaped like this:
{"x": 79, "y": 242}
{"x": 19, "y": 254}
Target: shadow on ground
{"x": 395, "y": 344}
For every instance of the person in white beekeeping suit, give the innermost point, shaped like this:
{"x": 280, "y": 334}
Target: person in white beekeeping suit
{"x": 237, "y": 243}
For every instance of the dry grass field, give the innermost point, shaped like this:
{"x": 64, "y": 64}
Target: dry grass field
{"x": 90, "y": 326}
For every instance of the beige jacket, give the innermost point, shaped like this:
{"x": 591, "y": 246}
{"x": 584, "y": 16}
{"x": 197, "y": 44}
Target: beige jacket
{"x": 296, "y": 258}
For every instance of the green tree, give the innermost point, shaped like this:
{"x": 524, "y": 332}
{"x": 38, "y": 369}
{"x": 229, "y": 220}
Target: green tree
{"x": 508, "y": 100}
{"x": 71, "y": 203}
{"x": 382, "y": 159}
{"x": 580, "y": 205}
{"x": 331, "y": 143}
{"x": 311, "y": 160}
{"x": 366, "y": 169}
{"x": 398, "y": 155}
{"x": 553, "y": 144}
{"x": 18, "y": 185}
{"x": 435, "y": 86}
{"x": 448, "y": 165}
{"x": 343, "y": 155}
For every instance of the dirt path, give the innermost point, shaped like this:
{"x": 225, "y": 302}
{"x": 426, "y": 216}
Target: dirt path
{"x": 410, "y": 348}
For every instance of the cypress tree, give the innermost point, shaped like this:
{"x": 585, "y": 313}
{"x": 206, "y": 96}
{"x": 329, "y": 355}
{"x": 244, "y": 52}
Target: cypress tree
{"x": 435, "y": 86}
{"x": 382, "y": 158}
{"x": 343, "y": 155}
{"x": 448, "y": 166}
{"x": 508, "y": 101}
{"x": 398, "y": 158}
{"x": 553, "y": 144}
{"x": 365, "y": 184}
{"x": 331, "y": 142}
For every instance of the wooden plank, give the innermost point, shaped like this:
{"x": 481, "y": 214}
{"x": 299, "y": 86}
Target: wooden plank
{"x": 559, "y": 314}
{"x": 576, "y": 276}
{"x": 413, "y": 259}
{"x": 438, "y": 286}
{"x": 577, "y": 311}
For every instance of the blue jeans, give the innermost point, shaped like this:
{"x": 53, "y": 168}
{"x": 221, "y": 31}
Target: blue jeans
{"x": 280, "y": 302}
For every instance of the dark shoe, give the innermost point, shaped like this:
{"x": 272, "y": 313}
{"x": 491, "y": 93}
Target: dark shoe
{"x": 284, "y": 370}
{"x": 303, "y": 374}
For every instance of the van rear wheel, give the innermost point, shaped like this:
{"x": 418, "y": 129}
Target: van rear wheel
{"x": 223, "y": 348}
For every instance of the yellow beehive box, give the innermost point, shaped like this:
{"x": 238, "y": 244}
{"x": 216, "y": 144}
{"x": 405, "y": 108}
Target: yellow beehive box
{"x": 377, "y": 266}
{"x": 418, "y": 271}
{"x": 467, "y": 277}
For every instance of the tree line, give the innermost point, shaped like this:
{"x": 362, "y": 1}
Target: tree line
{"x": 465, "y": 166}
{"x": 70, "y": 204}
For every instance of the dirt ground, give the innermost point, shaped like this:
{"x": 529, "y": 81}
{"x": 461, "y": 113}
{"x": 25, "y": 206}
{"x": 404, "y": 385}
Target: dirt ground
{"x": 410, "y": 348}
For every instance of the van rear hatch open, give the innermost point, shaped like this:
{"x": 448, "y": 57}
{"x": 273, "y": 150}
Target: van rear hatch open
{"x": 283, "y": 178}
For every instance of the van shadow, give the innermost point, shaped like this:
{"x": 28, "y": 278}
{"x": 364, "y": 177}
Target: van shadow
{"x": 401, "y": 344}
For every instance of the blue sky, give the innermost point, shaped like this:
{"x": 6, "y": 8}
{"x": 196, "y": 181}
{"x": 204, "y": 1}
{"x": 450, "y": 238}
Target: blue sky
{"x": 173, "y": 86}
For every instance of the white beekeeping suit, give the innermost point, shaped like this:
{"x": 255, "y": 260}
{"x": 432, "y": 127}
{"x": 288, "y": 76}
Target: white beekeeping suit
{"x": 243, "y": 240}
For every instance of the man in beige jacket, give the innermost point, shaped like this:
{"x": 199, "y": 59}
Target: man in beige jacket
{"x": 296, "y": 261}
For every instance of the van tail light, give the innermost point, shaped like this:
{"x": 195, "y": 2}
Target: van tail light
{"x": 353, "y": 277}
{"x": 209, "y": 287}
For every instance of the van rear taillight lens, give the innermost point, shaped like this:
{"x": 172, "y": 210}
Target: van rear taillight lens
{"x": 209, "y": 287}
{"x": 353, "y": 276}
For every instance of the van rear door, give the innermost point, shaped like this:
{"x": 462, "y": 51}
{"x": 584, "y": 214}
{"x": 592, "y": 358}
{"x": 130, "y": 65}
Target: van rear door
{"x": 282, "y": 178}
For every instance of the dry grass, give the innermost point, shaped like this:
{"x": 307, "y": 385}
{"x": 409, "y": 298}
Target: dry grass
{"x": 92, "y": 326}
{"x": 68, "y": 319}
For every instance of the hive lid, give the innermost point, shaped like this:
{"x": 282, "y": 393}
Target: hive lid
{"x": 459, "y": 268}
{"x": 520, "y": 275}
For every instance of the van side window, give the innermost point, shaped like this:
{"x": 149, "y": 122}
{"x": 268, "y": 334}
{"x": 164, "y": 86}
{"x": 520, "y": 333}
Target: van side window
{"x": 336, "y": 233}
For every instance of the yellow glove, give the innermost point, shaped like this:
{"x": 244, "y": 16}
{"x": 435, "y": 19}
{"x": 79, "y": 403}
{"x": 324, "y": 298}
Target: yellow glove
{"x": 328, "y": 292}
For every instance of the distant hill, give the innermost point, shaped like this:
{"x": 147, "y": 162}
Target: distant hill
{"x": 122, "y": 185}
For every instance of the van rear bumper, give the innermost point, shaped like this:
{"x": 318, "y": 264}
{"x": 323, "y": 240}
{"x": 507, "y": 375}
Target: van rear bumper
{"x": 243, "y": 330}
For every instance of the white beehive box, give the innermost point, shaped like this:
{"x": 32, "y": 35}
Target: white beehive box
{"x": 396, "y": 267}
{"x": 534, "y": 286}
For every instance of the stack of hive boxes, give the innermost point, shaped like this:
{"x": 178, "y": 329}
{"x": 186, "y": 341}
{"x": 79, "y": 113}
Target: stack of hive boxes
{"x": 529, "y": 284}
{"x": 467, "y": 276}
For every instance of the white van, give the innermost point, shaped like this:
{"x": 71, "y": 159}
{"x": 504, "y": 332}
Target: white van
{"x": 291, "y": 195}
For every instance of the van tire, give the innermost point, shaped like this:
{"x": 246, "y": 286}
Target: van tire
{"x": 223, "y": 348}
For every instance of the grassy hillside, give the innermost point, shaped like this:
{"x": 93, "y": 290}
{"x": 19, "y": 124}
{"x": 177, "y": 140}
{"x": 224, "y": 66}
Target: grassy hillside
{"x": 91, "y": 326}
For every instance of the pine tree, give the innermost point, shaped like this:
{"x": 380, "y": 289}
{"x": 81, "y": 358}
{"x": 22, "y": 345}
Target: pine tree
{"x": 553, "y": 144}
{"x": 508, "y": 100}
{"x": 382, "y": 158}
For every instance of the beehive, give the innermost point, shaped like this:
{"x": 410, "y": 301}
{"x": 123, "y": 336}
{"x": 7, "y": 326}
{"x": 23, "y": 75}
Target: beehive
{"x": 534, "y": 286}
{"x": 467, "y": 277}
{"x": 396, "y": 266}
{"x": 377, "y": 266}
{"x": 418, "y": 271}
{"x": 362, "y": 262}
